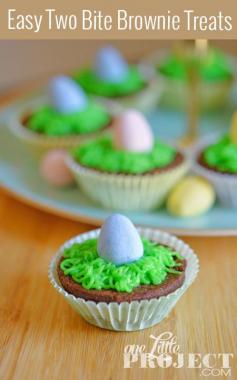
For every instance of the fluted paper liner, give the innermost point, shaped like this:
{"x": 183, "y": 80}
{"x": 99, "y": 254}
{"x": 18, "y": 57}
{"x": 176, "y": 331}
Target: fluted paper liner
{"x": 136, "y": 315}
{"x": 127, "y": 192}
{"x": 225, "y": 184}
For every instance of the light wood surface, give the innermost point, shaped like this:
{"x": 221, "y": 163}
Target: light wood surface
{"x": 43, "y": 338}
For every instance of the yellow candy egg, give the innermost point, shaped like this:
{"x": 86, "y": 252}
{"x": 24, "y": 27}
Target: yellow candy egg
{"x": 190, "y": 197}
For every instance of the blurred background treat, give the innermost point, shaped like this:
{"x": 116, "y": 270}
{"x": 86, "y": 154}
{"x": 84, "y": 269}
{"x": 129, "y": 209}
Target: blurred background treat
{"x": 26, "y": 61}
{"x": 185, "y": 89}
{"x": 193, "y": 70}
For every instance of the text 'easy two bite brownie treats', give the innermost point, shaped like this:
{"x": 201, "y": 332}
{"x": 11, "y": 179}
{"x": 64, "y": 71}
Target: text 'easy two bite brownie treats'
{"x": 129, "y": 170}
{"x": 122, "y": 278}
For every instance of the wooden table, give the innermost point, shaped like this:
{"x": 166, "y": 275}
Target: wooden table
{"x": 43, "y": 338}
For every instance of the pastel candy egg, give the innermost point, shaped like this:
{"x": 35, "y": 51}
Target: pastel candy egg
{"x": 54, "y": 170}
{"x": 119, "y": 241}
{"x": 66, "y": 96}
{"x": 190, "y": 197}
{"x": 110, "y": 66}
{"x": 132, "y": 132}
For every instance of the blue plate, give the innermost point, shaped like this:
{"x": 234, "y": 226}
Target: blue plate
{"x": 19, "y": 175}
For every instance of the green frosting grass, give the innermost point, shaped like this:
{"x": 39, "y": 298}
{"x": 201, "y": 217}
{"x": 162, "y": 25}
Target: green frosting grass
{"x": 213, "y": 67}
{"x": 48, "y": 121}
{"x": 82, "y": 263}
{"x": 101, "y": 155}
{"x": 92, "y": 84}
{"x": 222, "y": 155}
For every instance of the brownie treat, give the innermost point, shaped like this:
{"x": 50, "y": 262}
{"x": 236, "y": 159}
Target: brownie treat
{"x": 202, "y": 162}
{"x": 49, "y": 122}
{"x": 100, "y": 155}
{"x": 120, "y": 266}
{"x": 213, "y": 67}
{"x": 220, "y": 157}
{"x": 132, "y": 84}
{"x": 179, "y": 159}
{"x": 169, "y": 285}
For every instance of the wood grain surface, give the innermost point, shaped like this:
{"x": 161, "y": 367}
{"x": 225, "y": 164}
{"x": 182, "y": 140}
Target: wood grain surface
{"x": 41, "y": 337}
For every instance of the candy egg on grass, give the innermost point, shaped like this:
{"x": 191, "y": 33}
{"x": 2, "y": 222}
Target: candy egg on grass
{"x": 233, "y": 128}
{"x": 54, "y": 169}
{"x": 66, "y": 96}
{"x": 132, "y": 132}
{"x": 190, "y": 197}
{"x": 119, "y": 241}
{"x": 110, "y": 66}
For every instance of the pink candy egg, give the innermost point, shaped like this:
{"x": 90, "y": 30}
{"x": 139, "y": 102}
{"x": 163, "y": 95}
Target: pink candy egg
{"x": 132, "y": 132}
{"x": 54, "y": 170}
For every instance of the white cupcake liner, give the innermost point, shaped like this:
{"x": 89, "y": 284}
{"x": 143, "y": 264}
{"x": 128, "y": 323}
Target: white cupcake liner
{"x": 127, "y": 192}
{"x": 136, "y": 315}
{"x": 175, "y": 92}
{"x": 225, "y": 184}
{"x": 212, "y": 95}
{"x": 39, "y": 144}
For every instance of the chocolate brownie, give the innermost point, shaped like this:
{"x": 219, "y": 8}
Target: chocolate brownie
{"x": 202, "y": 162}
{"x": 171, "y": 283}
{"x": 128, "y": 96}
{"x": 179, "y": 158}
{"x": 26, "y": 118}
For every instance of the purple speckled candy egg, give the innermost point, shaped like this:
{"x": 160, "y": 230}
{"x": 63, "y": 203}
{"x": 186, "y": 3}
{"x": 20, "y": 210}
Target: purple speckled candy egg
{"x": 66, "y": 96}
{"x": 132, "y": 132}
{"x": 119, "y": 241}
{"x": 110, "y": 66}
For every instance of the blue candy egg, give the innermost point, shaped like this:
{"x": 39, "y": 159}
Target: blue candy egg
{"x": 119, "y": 241}
{"x": 66, "y": 96}
{"x": 110, "y": 66}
